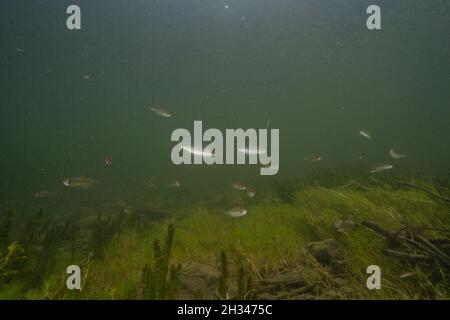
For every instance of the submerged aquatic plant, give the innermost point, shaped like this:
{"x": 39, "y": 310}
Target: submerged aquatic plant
{"x": 103, "y": 231}
{"x": 44, "y": 260}
{"x": 5, "y": 230}
{"x": 222, "y": 282}
{"x": 7, "y": 263}
{"x": 286, "y": 190}
{"x": 244, "y": 284}
{"x": 274, "y": 238}
{"x": 160, "y": 279}
{"x": 243, "y": 281}
{"x": 31, "y": 230}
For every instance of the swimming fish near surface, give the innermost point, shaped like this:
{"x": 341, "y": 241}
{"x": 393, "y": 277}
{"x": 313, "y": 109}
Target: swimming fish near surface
{"x": 236, "y": 212}
{"x": 251, "y": 193}
{"x": 407, "y": 274}
{"x": 396, "y": 155}
{"x": 121, "y": 203}
{"x": 269, "y": 165}
{"x": 80, "y": 182}
{"x": 365, "y": 134}
{"x": 313, "y": 158}
{"x": 198, "y": 152}
{"x": 151, "y": 182}
{"x": 44, "y": 194}
{"x": 381, "y": 167}
{"x": 161, "y": 112}
{"x": 252, "y": 151}
{"x": 175, "y": 184}
{"x": 238, "y": 186}
{"x": 109, "y": 161}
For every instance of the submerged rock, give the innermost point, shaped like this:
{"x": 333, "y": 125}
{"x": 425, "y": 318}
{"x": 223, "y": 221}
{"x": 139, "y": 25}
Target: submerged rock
{"x": 267, "y": 296}
{"x": 345, "y": 225}
{"x": 127, "y": 210}
{"x": 291, "y": 285}
{"x": 305, "y": 296}
{"x": 150, "y": 214}
{"x": 325, "y": 251}
{"x": 197, "y": 281}
{"x": 285, "y": 280}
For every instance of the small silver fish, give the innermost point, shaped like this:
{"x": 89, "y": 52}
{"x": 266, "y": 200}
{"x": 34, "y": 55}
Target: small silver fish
{"x": 313, "y": 158}
{"x": 175, "y": 184}
{"x": 357, "y": 156}
{"x": 108, "y": 161}
{"x": 365, "y": 134}
{"x": 407, "y": 274}
{"x": 199, "y": 152}
{"x": 396, "y": 155}
{"x": 252, "y": 151}
{"x": 80, "y": 182}
{"x": 122, "y": 203}
{"x": 251, "y": 193}
{"x": 151, "y": 183}
{"x": 381, "y": 167}
{"x": 44, "y": 194}
{"x": 161, "y": 112}
{"x": 238, "y": 186}
{"x": 236, "y": 212}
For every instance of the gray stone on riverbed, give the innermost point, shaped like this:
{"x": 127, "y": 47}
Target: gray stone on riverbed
{"x": 325, "y": 251}
{"x": 345, "y": 225}
{"x": 197, "y": 281}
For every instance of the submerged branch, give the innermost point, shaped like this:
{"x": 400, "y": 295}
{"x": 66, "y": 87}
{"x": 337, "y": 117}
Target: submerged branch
{"x": 431, "y": 193}
{"x": 402, "y": 254}
{"x": 352, "y": 183}
{"x": 378, "y": 229}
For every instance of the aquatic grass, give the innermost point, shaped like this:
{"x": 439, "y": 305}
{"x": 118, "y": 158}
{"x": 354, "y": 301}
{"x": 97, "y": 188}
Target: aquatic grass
{"x": 120, "y": 270}
{"x": 12, "y": 290}
{"x": 5, "y": 230}
{"x": 272, "y": 236}
{"x": 160, "y": 278}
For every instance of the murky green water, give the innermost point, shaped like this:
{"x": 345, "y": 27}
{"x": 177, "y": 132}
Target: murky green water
{"x": 71, "y": 98}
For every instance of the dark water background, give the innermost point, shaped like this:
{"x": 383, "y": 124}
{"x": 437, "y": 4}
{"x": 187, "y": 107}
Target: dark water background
{"x": 311, "y": 67}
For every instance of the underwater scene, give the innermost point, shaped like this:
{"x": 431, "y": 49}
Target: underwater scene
{"x": 225, "y": 150}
